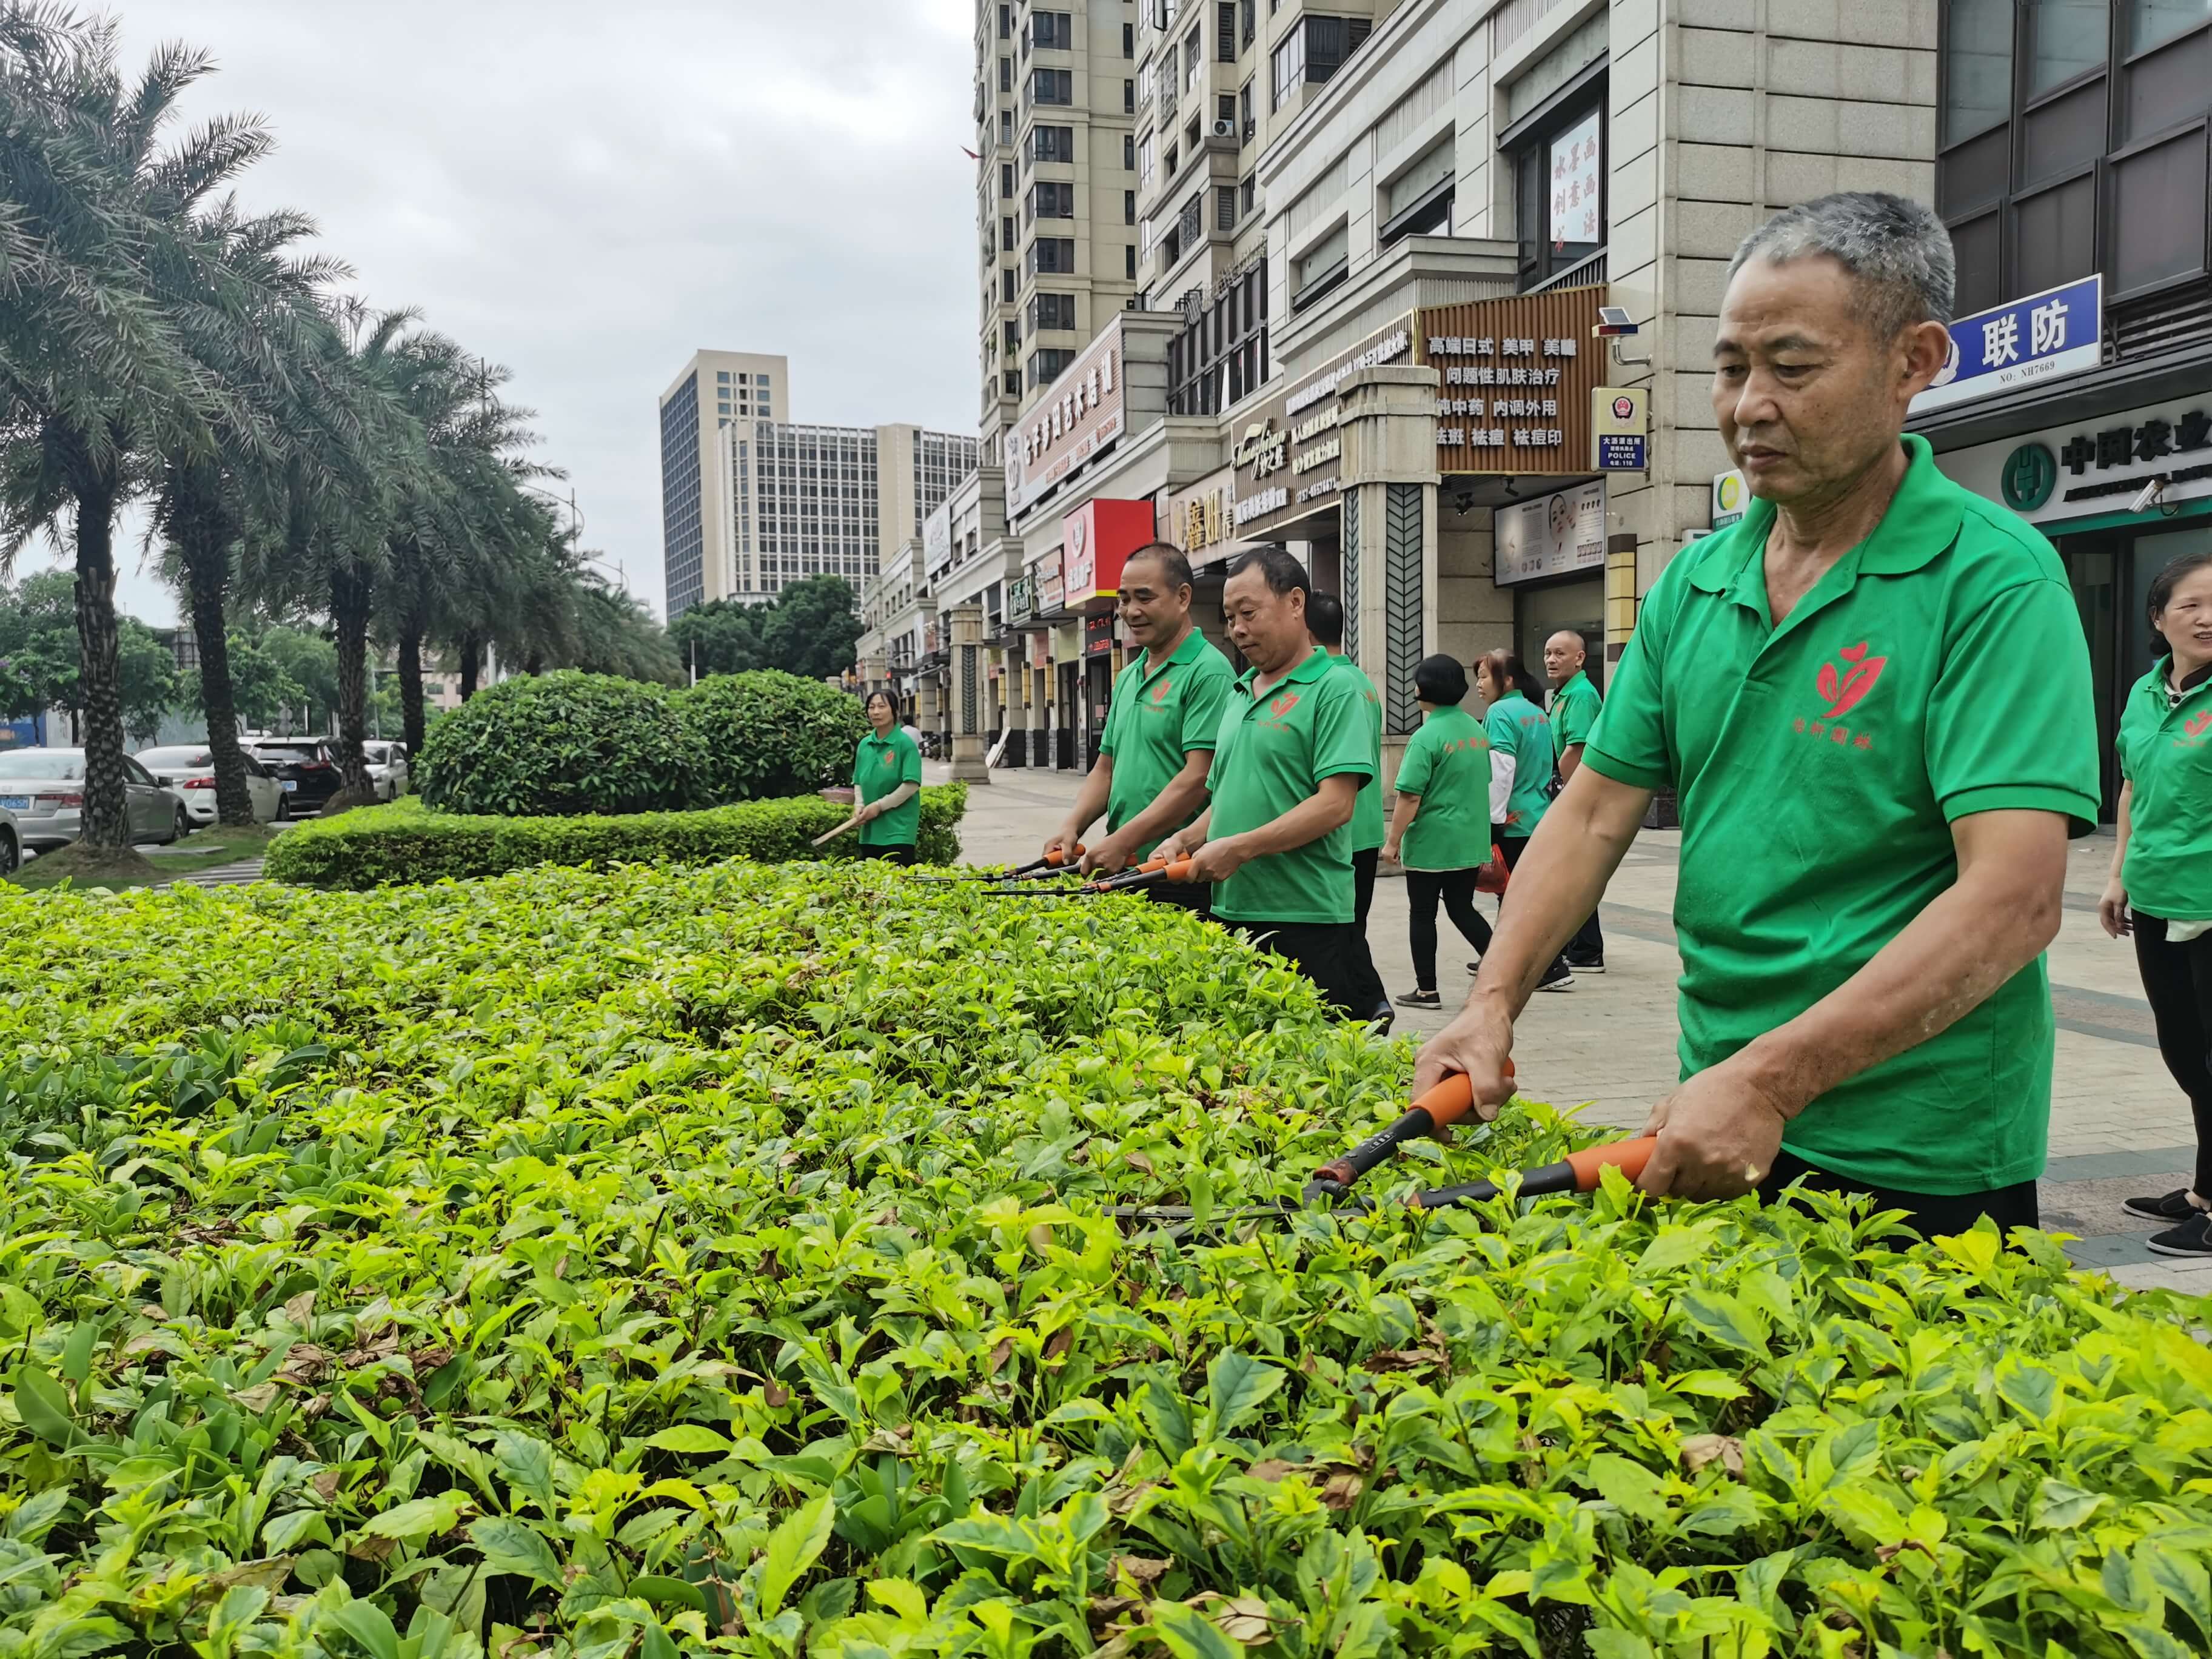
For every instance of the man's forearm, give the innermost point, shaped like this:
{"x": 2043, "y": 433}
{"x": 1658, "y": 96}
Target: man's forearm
{"x": 1560, "y": 880}
{"x": 1308, "y": 821}
{"x": 1997, "y": 918}
{"x": 1571, "y": 760}
{"x": 1172, "y": 806}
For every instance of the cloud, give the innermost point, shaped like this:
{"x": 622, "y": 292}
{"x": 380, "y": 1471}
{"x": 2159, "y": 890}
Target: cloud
{"x": 589, "y": 193}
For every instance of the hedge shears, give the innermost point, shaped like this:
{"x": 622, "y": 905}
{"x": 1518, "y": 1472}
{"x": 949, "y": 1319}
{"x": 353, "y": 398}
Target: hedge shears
{"x": 1054, "y": 863}
{"x": 1149, "y": 873}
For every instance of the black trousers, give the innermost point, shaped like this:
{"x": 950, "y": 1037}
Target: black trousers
{"x": 890, "y": 855}
{"x": 1932, "y": 1215}
{"x": 1589, "y": 943}
{"x": 1455, "y": 889}
{"x": 1331, "y": 954}
{"x": 1510, "y": 847}
{"x": 1195, "y": 896}
{"x": 1367, "y": 984}
{"x": 2178, "y": 982}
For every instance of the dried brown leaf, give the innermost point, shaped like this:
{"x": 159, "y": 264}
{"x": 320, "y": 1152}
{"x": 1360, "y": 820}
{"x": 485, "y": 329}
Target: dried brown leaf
{"x": 773, "y": 1393}
{"x": 1699, "y": 1450}
{"x": 326, "y": 1484}
{"x": 1142, "y": 1570}
{"x": 999, "y": 1356}
{"x": 1341, "y": 1491}
{"x": 304, "y": 1365}
{"x": 1059, "y": 1342}
{"x": 1138, "y": 1161}
{"x": 300, "y": 1309}
{"x": 1121, "y": 1500}
{"x": 1271, "y": 1468}
{"x": 1244, "y": 1619}
{"x": 257, "y": 1399}
{"x": 268, "y": 1575}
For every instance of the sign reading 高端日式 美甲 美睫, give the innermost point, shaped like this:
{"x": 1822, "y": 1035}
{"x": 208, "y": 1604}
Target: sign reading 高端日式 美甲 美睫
{"x": 2046, "y": 336}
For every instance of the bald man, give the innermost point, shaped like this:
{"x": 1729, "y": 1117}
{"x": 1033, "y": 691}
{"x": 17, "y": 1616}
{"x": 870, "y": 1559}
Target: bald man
{"x": 1574, "y": 712}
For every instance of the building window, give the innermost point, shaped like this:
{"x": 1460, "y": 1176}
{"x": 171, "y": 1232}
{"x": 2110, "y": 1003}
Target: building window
{"x": 1006, "y": 286}
{"x": 1052, "y": 144}
{"x": 1130, "y": 261}
{"x": 1220, "y": 357}
{"x": 1145, "y": 160}
{"x": 1248, "y": 190}
{"x": 1047, "y": 364}
{"x": 1048, "y": 200}
{"x": 1128, "y": 152}
{"x": 1224, "y": 30}
{"x": 1011, "y": 332}
{"x": 1006, "y": 75}
{"x": 1193, "y": 59}
{"x": 1145, "y": 82}
{"x": 2073, "y": 140}
{"x": 1005, "y": 181}
{"x": 1006, "y": 22}
{"x": 1225, "y": 208}
{"x": 1321, "y": 267}
{"x": 1051, "y": 311}
{"x": 1052, "y": 31}
{"x": 1051, "y": 256}
{"x": 1314, "y": 50}
{"x": 1128, "y": 97}
{"x": 1128, "y": 207}
{"x": 1005, "y": 126}
{"x": 1559, "y": 187}
{"x": 1419, "y": 201}
{"x": 1051, "y": 86}
{"x": 1128, "y": 40}
{"x": 1006, "y": 236}
{"x": 1251, "y": 24}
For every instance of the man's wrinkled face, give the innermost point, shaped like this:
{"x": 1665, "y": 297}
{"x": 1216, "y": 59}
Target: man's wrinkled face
{"x": 1153, "y": 608}
{"x": 1267, "y": 627}
{"x": 1564, "y": 654}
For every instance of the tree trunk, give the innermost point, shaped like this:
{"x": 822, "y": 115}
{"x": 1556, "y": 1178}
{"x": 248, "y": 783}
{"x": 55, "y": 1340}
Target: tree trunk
{"x": 207, "y": 569}
{"x": 411, "y": 685}
{"x": 106, "y": 807}
{"x": 471, "y": 653}
{"x": 349, "y": 604}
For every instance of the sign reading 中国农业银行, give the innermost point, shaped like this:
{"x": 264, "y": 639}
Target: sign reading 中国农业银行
{"x": 2093, "y": 469}
{"x": 2043, "y": 337}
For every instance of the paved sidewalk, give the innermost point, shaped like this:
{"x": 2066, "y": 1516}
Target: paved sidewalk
{"x": 2118, "y": 1125}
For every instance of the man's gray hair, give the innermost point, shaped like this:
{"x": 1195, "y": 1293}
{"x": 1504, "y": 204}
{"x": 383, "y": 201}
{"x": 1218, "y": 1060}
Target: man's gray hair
{"x": 1897, "y": 251}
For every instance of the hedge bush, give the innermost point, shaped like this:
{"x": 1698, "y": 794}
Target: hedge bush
{"x": 572, "y": 743}
{"x": 647, "y": 1264}
{"x": 770, "y": 733}
{"x": 560, "y": 743}
{"x": 402, "y": 842}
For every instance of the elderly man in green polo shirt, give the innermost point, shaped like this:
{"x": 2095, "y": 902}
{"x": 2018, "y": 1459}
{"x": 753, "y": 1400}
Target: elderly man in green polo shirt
{"x": 1872, "y": 697}
{"x": 1294, "y": 749}
{"x": 1574, "y": 707}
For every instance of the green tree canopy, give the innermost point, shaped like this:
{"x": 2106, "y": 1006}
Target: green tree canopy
{"x": 810, "y": 630}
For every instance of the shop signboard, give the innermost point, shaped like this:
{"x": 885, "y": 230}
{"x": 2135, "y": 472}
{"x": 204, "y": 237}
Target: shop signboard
{"x": 1096, "y": 538}
{"x": 2031, "y": 342}
{"x": 2090, "y": 468}
{"x": 1621, "y": 420}
{"x": 937, "y": 541}
{"x": 1098, "y": 635}
{"x": 1046, "y": 573}
{"x": 1200, "y": 519}
{"x": 1555, "y": 534}
{"x": 1288, "y": 453}
{"x": 1731, "y": 496}
{"x": 1516, "y": 377}
{"x": 1077, "y": 417}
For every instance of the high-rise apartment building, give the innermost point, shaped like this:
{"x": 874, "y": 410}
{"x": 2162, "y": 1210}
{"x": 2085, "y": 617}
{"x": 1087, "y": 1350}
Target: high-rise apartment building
{"x": 752, "y": 500}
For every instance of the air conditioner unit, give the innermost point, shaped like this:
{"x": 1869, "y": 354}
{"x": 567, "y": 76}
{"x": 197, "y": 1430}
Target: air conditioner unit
{"x": 1224, "y": 129}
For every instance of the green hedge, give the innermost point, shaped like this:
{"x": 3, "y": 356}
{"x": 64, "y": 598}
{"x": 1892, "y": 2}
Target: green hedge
{"x": 765, "y": 734}
{"x": 404, "y": 842}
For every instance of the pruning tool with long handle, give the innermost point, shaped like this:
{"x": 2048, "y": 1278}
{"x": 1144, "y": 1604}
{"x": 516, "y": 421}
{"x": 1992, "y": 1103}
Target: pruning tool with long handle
{"x": 1054, "y": 863}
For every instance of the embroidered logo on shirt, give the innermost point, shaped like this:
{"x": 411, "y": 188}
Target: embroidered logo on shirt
{"x": 2196, "y": 725}
{"x": 1160, "y": 692}
{"x": 1283, "y": 705}
{"x": 1845, "y": 692}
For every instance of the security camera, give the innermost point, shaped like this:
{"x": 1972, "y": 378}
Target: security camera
{"x": 1463, "y": 500}
{"x": 2149, "y": 494}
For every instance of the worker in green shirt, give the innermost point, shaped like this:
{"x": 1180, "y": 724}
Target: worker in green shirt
{"x": 1440, "y": 830}
{"x": 1325, "y": 622}
{"x": 1521, "y": 750}
{"x": 1291, "y": 754}
{"x": 887, "y": 781}
{"x": 1150, "y": 777}
{"x": 2161, "y": 884}
{"x": 1573, "y": 710}
{"x": 1872, "y": 697}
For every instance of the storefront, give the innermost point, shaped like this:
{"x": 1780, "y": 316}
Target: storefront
{"x": 1550, "y": 551}
{"x": 2119, "y": 494}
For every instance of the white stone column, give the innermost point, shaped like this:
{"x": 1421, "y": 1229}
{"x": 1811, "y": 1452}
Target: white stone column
{"x": 963, "y": 627}
{"x": 1387, "y": 526}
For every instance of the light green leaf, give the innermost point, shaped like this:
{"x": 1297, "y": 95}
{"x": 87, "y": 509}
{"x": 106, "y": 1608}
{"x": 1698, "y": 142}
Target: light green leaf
{"x": 511, "y": 1545}
{"x": 2061, "y": 1507}
{"x": 1724, "y": 1319}
{"x": 690, "y": 1438}
{"x": 1629, "y": 1486}
{"x": 367, "y": 1625}
{"x": 419, "y": 1517}
{"x": 1189, "y": 1634}
{"x": 1167, "y": 1415}
{"x": 1675, "y": 1247}
{"x": 792, "y": 1549}
{"x": 1236, "y": 1386}
{"x": 44, "y": 1409}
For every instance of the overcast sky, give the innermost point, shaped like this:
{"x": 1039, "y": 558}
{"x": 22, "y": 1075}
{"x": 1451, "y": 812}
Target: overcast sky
{"x": 589, "y": 192}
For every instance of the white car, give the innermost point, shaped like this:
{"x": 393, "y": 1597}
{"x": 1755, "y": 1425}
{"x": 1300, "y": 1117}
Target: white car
{"x": 11, "y": 842}
{"x": 44, "y": 789}
{"x": 188, "y": 772}
{"x": 387, "y": 768}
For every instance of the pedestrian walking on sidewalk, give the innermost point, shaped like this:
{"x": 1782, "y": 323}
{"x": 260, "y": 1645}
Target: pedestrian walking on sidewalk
{"x": 886, "y": 783}
{"x": 1574, "y": 707}
{"x": 1325, "y": 622}
{"x": 1440, "y": 828}
{"x": 2160, "y": 888}
{"x": 1871, "y": 696}
{"x": 1519, "y": 734}
{"x": 1288, "y": 763}
{"x": 1150, "y": 777}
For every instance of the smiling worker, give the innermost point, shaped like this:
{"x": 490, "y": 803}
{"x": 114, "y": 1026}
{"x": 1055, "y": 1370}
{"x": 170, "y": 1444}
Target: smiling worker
{"x": 1292, "y": 754}
{"x": 1150, "y": 777}
{"x": 1872, "y": 696}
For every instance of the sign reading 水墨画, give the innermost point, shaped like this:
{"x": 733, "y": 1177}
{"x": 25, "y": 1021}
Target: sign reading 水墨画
{"x": 2046, "y": 336}
{"x": 1517, "y": 377}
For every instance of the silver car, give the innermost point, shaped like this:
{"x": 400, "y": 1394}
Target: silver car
{"x": 189, "y": 770}
{"x": 387, "y": 768}
{"x": 44, "y": 790}
{"x": 11, "y": 842}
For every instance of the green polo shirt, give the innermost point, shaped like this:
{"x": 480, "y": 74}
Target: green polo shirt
{"x": 1369, "y": 829}
{"x": 1574, "y": 712}
{"x": 1272, "y": 752}
{"x": 1447, "y": 764}
{"x": 2167, "y": 754}
{"x": 1937, "y": 670}
{"x": 1517, "y": 727}
{"x": 879, "y": 766}
{"x": 1156, "y": 717}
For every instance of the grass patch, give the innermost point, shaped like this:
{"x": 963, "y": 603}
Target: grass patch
{"x": 81, "y": 866}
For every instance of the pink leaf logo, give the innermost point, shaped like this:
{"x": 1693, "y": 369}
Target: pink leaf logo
{"x": 2195, "y": 727}
{"x": 1846, "y": 693}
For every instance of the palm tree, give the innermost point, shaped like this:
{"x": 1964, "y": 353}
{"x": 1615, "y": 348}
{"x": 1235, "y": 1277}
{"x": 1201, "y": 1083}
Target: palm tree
{"x": 93, "y": 376}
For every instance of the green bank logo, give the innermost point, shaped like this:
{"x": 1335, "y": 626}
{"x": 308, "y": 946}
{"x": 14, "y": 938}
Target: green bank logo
{"x": 2030, "y": 472}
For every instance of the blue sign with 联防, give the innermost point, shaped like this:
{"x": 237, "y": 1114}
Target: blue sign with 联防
{"x": 2043, "y": 337}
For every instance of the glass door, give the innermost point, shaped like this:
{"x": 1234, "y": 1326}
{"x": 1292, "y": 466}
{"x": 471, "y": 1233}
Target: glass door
{"x": 2092, "y": 566}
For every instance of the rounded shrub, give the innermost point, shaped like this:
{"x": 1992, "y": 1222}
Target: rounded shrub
{"x": 768, "y": 734}
{"x": 556, "y": 744}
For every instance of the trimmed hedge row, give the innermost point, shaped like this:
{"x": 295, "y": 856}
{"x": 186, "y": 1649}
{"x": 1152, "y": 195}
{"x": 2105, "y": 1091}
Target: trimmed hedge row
{"x": 404, "y": 842}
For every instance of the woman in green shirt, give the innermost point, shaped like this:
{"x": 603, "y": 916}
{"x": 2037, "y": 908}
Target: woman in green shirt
{"x": 1519, "y": 730}
{"x": 886, "y": 781}
{"x": 2160, "y": 888}
{"x": 1440, "y": 829}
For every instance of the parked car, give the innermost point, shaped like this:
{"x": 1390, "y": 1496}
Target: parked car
{"x": 387, "y": 768}
{"x": 44, "y": 788}
{"x": 190, "y": 773}
{"x": 11, "y": 842}
{"x": 306, "y": 770}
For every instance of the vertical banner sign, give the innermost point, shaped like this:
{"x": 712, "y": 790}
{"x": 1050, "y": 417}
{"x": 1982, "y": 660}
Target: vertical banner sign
{"x": 1575, "y": 201}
